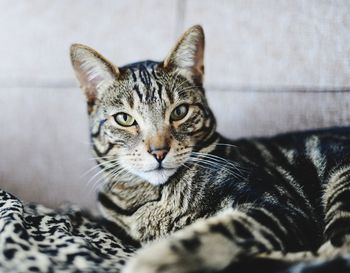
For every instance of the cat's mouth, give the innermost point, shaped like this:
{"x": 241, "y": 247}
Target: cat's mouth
{"x": 158, "y": 175}
{"x": 160, "y": 168}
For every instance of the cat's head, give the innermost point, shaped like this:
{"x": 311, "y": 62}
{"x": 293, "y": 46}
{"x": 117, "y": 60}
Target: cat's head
{"x": 146, "y": 118}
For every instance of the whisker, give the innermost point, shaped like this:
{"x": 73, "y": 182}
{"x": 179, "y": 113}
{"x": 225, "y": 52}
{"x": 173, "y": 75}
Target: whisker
{"x": 226, "y": 144}
{"x": 102, "y": 157}
{"x": 113, "y": 165}
{"x": 217, "y": 163}
{"x": 184, "y": 165}
{"x": 218, "y": 158}
{"x": 209, "y": 166}
{"x": 211, "y": 162}
{"x": 212, "y": 157}
{"x": 107, "y": 175}
{"x": 95, "y": 167}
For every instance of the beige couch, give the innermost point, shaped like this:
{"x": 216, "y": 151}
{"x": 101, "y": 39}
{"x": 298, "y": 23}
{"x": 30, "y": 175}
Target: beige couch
{"x": 271, "y": 66}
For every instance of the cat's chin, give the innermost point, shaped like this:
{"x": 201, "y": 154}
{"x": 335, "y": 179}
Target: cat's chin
{"x": 157, "y": 177}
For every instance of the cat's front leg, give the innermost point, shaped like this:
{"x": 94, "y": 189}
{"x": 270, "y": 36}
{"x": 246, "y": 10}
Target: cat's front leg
{"x": 329, "y": 250}
{"x": 118, "y": 202}
{"x": 207, "y": 245}
{"x": 337, "y": 210}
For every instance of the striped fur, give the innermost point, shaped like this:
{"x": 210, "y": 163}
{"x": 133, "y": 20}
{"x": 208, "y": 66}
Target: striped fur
{"x": 215, "y": 200}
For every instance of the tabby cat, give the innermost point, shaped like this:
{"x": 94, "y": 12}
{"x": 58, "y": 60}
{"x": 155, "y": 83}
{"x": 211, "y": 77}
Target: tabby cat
{"x": 205, "y": 201}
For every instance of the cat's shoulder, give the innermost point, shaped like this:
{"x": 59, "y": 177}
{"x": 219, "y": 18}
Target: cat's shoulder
{"x": 328, "y": 132}
{"x": 296, "y": 139}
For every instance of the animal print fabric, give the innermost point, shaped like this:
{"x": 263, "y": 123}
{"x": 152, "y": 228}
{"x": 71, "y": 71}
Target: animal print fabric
{"x": 34, "y": 238}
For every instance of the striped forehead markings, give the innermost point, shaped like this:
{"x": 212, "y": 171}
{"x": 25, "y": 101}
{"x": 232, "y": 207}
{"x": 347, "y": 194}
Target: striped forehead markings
{"x": 159, "y": 90}
{"x": 138, "y": 92}
{"x": 147, "y": 85}
{"x": 145, "y": 76}
{"x": 133, "y": 75}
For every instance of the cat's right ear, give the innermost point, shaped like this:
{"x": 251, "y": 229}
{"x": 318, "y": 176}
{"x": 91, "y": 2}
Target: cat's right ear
{"x": 187, "y": 57}
{"x": 91, "y": 69}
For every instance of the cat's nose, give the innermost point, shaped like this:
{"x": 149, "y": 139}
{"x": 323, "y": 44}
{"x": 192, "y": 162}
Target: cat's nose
{"x": 159, "y": 154}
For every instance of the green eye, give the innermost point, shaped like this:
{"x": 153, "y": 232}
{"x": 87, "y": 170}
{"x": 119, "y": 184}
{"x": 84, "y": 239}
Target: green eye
{"x": 179, "y": 112}
{"x": 124, "y": 119}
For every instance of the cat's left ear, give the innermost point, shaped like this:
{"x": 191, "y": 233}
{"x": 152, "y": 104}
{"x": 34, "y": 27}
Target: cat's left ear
{"x": 187, "y": 56}
{"x": 92, "y": 70}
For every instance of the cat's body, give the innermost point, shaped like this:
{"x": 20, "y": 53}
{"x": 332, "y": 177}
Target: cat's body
{"x": 289, "y": 172}
{"x": 169, "y": 172}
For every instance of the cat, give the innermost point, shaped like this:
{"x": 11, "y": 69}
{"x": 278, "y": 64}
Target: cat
{"x": 196, "y": 200}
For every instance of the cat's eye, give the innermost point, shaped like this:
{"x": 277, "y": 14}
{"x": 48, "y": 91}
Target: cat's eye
{"x": 179, "y": 112}
{"x": 124, "y": 119}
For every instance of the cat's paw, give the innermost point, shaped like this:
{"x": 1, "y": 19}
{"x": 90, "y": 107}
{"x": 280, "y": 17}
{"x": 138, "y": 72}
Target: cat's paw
{"x": 184, "y": 253}
{"x": 330, "y": 250}
{"x": 161, "y": 257}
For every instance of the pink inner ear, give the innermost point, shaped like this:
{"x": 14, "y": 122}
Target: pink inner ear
{"x": 96, "y": 80}
{"x": 91, "y": 73}
{"x": 87, "y": 83}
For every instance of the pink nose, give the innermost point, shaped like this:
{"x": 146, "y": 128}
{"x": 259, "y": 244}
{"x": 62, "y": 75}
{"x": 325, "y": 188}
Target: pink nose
{"x": 159, "y": 154}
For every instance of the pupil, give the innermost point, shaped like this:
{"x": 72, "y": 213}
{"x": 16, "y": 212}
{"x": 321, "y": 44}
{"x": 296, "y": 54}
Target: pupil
{"x": 125, "y": 117}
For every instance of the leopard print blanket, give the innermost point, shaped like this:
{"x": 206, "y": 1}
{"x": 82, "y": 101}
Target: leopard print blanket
{"x": 34, "y": 238}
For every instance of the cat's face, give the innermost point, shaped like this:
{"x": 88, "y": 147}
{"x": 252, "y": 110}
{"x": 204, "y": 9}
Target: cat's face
{"x": 147, "y": 118}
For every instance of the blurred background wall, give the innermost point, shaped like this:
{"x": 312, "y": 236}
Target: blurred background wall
{"x": 271, "y": 66}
